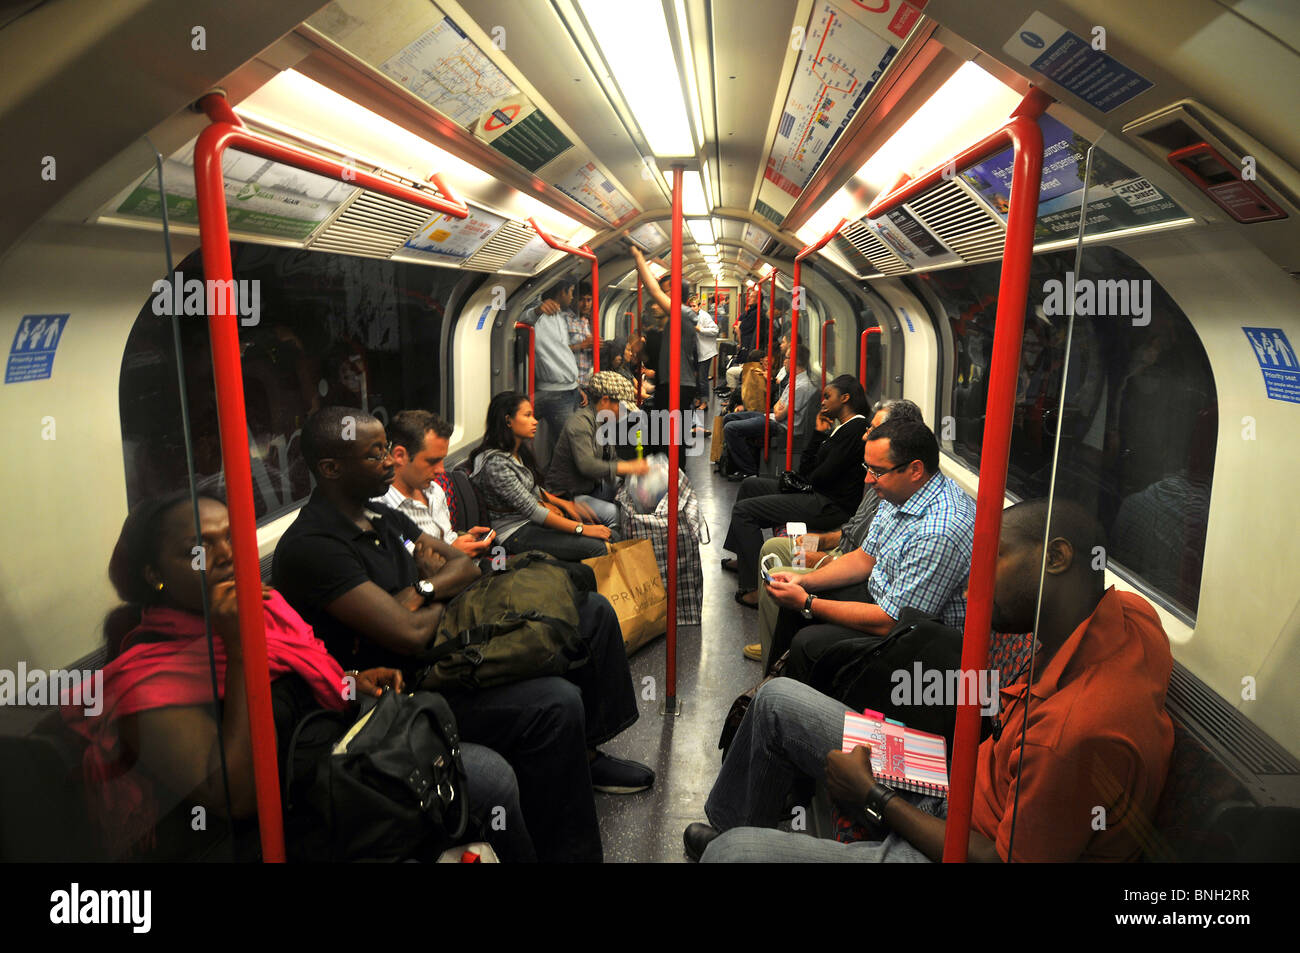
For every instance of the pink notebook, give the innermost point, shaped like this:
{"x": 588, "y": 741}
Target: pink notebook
{"x": 901, "y": 757}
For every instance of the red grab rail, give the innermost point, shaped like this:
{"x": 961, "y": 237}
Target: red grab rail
{"x": 1022, "y": 133}
{"x": 767, "y": 386}
{"x": 795, "y": 298}
{"x": 675, "y": 422}
{"x": 228, "y": 131}
{"x": 532, "y": 357}
{"x": 583, "y": 252}
{"x": 862, "y": 355}
{"x": 828, "y": 323}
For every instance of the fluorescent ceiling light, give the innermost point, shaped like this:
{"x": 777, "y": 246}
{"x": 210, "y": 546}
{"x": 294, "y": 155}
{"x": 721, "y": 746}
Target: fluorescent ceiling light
{"x": 701, "y": 230}
{"x": 709, "y": 249}
{"x": 708, "y": 190}
{"x": 970, "y": 105}
{"x": 694, "y": 201}
{"x": 766, "y": 269}
{"x": 297, "y": 106}
{"x": 966, "y": 108}
{"x": 633, "y": 39}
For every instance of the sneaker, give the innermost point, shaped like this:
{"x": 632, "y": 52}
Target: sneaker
{"x": 617, "y": 776}
{"x": 754, "y": 651}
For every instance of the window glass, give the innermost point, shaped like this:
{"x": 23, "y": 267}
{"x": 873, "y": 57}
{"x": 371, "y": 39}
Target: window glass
{"x": 330, "y": 329}
{"x": 1141, "y": 417}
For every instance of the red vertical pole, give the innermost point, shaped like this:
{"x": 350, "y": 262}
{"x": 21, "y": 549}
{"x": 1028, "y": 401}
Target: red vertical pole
{"x": 675, "y": 434}
{"x": 796, "y": 295}
{"x": 595, "y": 316}
{"x": 771, "y": 327}
{"x": 637, "y": 324}
{"x": 758, "y": 311}
{"x": 214, "y": 237}
{"x": 862, "y": 354}
{"x": 823, "y": 355}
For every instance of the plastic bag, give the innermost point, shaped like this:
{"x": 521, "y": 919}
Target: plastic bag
{"x": 647, "y": 489}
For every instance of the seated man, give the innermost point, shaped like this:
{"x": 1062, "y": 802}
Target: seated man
{"x": 743, "y": 432}
{"x": 830, "y": 546}
{"x": 584, "y": 467}
{"x": 916, "y": 555}
{"x": 373, "y": 586}
{"x": 419, "y": 448}
{"x": 1098, "y": 736}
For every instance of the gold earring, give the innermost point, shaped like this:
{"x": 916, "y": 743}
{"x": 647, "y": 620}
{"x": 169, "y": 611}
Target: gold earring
{"x": 159, "y": 587}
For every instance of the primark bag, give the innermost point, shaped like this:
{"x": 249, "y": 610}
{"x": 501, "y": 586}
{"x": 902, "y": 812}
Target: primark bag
{"x": 628, "y": 576}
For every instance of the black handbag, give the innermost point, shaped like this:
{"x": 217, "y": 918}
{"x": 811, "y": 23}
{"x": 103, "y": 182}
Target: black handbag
{"x": 736, "y": 714}
{"x": 860, "y": 673}
{"x": 792, "y": 482}
{"x": 393, "y": 787}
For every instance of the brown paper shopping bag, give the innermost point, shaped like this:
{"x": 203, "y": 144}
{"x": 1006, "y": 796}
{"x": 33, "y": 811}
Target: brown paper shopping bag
{"x": 628, "y": 576}
{"x": 715, "y": 445}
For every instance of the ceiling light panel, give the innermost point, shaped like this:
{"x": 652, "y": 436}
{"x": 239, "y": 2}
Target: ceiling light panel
{"x": 633, "y": 39}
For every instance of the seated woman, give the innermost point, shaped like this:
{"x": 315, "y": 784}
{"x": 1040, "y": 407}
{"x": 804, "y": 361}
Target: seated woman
{"x": 157, "y": 753}
{"x": 834, "y": 470}
{"x": 523, "y": 514}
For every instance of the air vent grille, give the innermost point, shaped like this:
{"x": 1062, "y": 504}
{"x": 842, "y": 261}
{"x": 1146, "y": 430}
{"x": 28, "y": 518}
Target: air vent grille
{"x": 373, "y": 226}
{"x": 857, "y": 261}
{"x": 869, "y": 245}
{"x": 508, "y": 241}
{"x": 961, "y": 222}
{"x": 1226, "y": 728}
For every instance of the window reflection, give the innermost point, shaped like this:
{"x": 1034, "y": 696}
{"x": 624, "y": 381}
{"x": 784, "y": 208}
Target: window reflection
{"x": 1140, "y": 420}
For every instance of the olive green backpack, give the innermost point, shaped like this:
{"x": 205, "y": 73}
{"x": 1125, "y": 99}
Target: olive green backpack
{"x": 512, "y": 624}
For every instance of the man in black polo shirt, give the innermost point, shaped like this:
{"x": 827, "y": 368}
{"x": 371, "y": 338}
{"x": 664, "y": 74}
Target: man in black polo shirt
{"x": 360, "y": 574}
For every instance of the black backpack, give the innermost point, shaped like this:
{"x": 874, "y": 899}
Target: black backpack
{"x": 860, "y": 672}
{"x": 396, "y": 790}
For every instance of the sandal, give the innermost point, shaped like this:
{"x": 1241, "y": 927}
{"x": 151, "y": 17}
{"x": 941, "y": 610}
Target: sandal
{"x": 740, "y": 597}
{"x": 729, "y": 564}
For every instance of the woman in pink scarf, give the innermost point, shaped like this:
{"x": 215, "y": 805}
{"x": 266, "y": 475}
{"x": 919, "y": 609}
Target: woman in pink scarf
{"x": 157, "y": 733}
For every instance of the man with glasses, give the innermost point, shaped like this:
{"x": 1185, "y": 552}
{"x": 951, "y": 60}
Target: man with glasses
{"x": 373, "y": 586}
{"x": 916, "y": 554}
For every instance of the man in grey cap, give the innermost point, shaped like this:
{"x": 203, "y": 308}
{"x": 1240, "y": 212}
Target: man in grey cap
{"x": 584, "y": 467}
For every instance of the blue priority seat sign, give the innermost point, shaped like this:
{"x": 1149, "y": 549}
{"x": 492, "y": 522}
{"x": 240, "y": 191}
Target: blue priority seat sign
{"x": 1278, "y": 362}
{"x": 31, "y": 356}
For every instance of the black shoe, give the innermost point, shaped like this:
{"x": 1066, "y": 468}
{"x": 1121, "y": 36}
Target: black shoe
{"x": 729, "y": 564}
{"x": 617, "y": 776}
{"x": 696, "y": 837}
{"x": 739, "y": 477}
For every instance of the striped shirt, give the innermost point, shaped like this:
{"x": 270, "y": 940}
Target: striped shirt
{"x": 923, "y": 551}
{"x": 433, "y": 519}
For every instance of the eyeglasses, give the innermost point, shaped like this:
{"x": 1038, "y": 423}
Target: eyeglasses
{"x": 879, "y": 473}
{"x": 388, "y": 452}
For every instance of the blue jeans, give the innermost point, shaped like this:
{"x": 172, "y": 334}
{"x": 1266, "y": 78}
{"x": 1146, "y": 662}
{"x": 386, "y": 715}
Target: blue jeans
{"x": 784, "y": 736}
{"x": 491, "y": 785}
{"x": 742, "y": 432}
{"x": 543, "y": 728}
{"x": 601, "y": 501}
{"x": 555, "y": 407}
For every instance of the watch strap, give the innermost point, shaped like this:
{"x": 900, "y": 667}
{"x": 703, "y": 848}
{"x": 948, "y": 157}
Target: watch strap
{"x": 877, "y": 798}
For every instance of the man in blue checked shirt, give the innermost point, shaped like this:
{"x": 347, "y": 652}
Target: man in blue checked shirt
{"x": 916, "y": 554}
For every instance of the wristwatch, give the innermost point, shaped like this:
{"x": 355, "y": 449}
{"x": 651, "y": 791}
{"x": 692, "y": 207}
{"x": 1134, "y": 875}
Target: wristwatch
{"x": 578, "y": 529}
{"x": 877, "y": 798}
{"x": 806, "y": 611}
{"x": 425, "y": 588}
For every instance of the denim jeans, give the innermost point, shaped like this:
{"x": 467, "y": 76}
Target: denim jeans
{"x": 784, "y": 736}
{"x": 743, "y": 434}
{"x": 544, "y": 726}
{"x": 601, "y": 501}
{"x": 559, "y": 543}
{"x": 555, "y": 407}
{"x": 491, "y": 785}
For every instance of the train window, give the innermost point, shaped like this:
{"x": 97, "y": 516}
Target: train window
{"x": 1141, "y": 410}
{"x": 330, "y": 329}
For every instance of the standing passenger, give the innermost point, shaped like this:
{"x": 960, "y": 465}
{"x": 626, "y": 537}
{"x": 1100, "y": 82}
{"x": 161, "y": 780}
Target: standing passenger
{"x": 558, "y": 395}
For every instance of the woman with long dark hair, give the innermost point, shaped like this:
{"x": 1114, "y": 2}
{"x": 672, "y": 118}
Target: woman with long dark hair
{"x": 162, "y": 747}
{"x": 524, "y": 515}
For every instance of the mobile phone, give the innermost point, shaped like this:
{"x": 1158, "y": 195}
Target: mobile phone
{"x": 488, "y": 535}
{"x": 765, "y": 567}
{"x": 767, "y": 576}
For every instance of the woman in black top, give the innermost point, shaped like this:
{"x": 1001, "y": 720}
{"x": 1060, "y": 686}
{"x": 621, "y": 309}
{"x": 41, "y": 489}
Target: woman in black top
{"x": 834, "y": 471}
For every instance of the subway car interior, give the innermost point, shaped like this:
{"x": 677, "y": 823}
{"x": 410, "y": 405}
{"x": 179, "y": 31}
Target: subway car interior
{"x": 263, "y": 263}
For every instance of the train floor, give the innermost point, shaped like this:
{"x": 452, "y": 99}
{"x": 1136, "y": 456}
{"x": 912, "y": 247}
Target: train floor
{"x": 711, "y": 671}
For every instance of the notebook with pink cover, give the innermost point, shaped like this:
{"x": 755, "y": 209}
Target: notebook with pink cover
{"x": 904, "y": 758}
